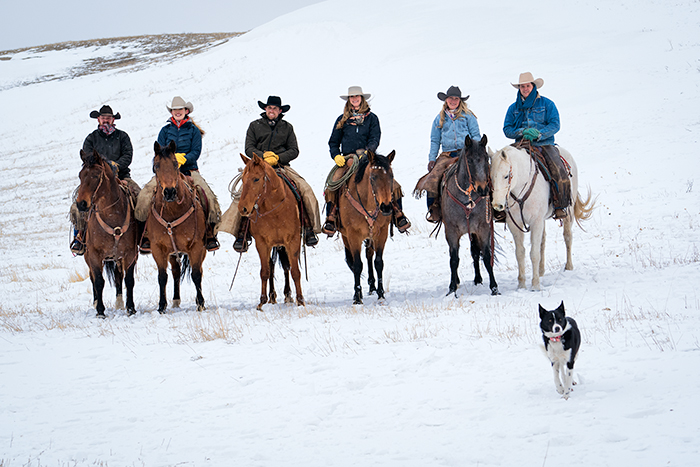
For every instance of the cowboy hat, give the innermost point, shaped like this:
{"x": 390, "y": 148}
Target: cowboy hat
{"x": 528, "y": 78}
{"x": 179, "y": 103}
{"x": 276, "y": 101}
{"x": 105, "y": 110}
{"x": 355, "y": 91}
{"x": 453, "y": 91}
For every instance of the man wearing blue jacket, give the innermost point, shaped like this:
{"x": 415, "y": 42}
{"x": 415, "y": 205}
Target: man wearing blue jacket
{"x": 533, "y": 120}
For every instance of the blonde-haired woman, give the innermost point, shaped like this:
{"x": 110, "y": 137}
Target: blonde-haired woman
{"x": 354, "y": 133}
{"x": 454, "y": 122}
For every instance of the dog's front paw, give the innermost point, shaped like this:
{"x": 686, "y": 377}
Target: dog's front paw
{"x": 560, "y": 389}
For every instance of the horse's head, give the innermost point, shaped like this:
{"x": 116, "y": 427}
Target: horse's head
{"x": 381, "y": 178}
{"x": 255, "y": 182}
{"x": 166, "y": 169}
{"x": 476, "y": 155}
{"x": 96, "y": 171}
{"x": 501, "y": 177}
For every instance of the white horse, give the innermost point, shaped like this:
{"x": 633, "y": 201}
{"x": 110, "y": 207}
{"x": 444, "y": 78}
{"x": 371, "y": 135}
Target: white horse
{"x": 520, "y": 189}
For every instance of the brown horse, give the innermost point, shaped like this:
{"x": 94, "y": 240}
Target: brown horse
{"x": 176, "y": 226}
{"x": 365, "y": 211}
{"x": 111, "y": 233}
{"x": 273, "y": 211}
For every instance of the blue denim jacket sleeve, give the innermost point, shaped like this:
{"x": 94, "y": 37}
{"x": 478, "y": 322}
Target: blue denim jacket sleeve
{"x": 435, "y": 136}
{"x": 551, "y": 123}
{"x": 509, "y": 124}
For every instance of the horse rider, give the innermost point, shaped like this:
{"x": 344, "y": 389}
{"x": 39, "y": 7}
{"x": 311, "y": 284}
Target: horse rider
{"x": 187, "y": 135}
{"x": 532, "y": 120}
{"x": 448, "y": 131}
{"x": 115, "y": 146}
{"x": 272, "y": 138}
{"x": 354, "y": 133}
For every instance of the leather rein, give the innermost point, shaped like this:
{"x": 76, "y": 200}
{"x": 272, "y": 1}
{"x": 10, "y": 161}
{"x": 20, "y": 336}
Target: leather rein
{"x": 169, "y": 225}
{"x": 521, "y": 201}
{"x": 115, "y": 232}
{"x": 370, "y": 217}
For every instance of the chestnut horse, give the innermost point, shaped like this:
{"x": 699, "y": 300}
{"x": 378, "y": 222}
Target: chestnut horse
{"x": 275, "y": 225}
{"x": 364, "y": 205}
{"x": 466, "y": 209}
{"x": 176, "y": 227}
{"x": 111, "y": 233}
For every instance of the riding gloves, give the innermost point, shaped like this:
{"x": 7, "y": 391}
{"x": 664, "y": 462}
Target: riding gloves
{"x": 339, "y": 160}
{"x": 181, "y": 159}
{"x": 531, "y": 134}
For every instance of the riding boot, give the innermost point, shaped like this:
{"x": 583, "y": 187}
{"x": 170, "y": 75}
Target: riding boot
{"x": 560, "y": 184}
{"x": 310, "y": 237}
{"x": 329, "y": 227}
{"x": 212, "y": 242}
{"x": 400, "y": 220}
{"x": 243, "y": 237}
{"x": 434, "y": 212}
{"x": 77, "y": 246}
{"x": 144, "y": 244}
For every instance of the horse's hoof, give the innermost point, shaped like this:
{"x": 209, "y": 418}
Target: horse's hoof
{"x": 130, "y": 311}
{"x": 162, "y": 311}
{"x": 301, "y": 302}
{"x": 494, "y": 291}
{"x": 100, "y": 315}
{"x": 119, "y": 303}
{"x": 201, "y": 307}
{"x": 259, "y": 307}
{"x": 288, "y": 299}
{"x": 357, "y": 301}
{"x": 176, "y": 303}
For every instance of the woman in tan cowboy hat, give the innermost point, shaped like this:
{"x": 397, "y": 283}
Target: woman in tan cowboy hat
{"x": 355, "y": 132}
{"x": 188, "y": 137}
{"x": 454, "y": 122}
{"x": 533, "y": 120}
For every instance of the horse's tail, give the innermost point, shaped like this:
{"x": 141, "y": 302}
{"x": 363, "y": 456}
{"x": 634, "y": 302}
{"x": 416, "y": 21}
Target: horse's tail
{"x": 583, "y": 209}
{"x": 110, "y": 271}
{"x": 282, "y": 256}
{"x": 185, "y": 267}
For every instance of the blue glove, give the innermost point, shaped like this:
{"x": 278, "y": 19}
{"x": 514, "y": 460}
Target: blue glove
{"x": 531, "y": 134}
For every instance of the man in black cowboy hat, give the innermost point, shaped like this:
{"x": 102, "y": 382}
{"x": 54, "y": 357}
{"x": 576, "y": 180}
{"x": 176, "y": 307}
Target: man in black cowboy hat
{"x": 272, "y": 138}
{"x": 115, "y": 146}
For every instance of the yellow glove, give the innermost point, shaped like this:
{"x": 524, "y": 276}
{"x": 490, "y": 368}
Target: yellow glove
{"x": 339, "y": 160}
{"x": 114, "y": 166}
{"x": 271, "y": 158}
{"x": 181, "y": 159}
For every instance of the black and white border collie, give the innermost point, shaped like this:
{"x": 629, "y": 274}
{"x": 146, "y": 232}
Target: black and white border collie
{"x": 562, "y": 340}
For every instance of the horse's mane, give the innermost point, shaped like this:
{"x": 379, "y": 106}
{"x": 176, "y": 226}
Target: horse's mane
{"x": 381, "y": 161}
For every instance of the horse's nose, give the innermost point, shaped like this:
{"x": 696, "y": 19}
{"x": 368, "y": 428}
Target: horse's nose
{"x": 497, "y": 206}
{"x": 82, "y": 206}
{"x": 385, "y": 209}
{"x": 243, "y": 210}
{"x": 169, "y": 194}
{"x": 482, "y": 190}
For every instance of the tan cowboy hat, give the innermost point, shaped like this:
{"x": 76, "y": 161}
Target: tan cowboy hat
{"x": 179, "y": 103}
{"x": 355, "y": 91}
{"x": 528, "y": 78}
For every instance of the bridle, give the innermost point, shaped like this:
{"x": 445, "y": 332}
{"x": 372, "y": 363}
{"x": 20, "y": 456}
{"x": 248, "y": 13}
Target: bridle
{"x": 370, "y": 217}
{"x": 256, "y": 205}
{"x": 169, "y": 225}
{"x": 521, "y": 201}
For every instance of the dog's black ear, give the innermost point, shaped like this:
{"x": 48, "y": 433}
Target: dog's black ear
{"x": 561, "y": 308}
{"x": 543, "y": 312}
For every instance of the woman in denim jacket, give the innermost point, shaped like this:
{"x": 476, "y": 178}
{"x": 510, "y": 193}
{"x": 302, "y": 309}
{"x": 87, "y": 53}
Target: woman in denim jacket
{"x": 533, "y": 120}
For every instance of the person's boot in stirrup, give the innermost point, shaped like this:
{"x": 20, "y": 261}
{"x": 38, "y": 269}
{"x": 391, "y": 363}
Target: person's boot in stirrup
{"x": 243, "y": 237}
{"x": 310, "y": 237}
{"x": 212, "y": 242}
{"x": 329, "y": 227}
{"x": 402, "y": 222}
{"x": 77, "y": 246}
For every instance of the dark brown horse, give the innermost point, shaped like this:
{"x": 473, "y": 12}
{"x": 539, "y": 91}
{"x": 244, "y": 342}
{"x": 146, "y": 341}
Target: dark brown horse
{"x": 466, "y": 209}
{"x": 273, "y": 211}
{"x": 365, "y": 211}
{"x": 176, "y": 226}
{"x": 111, "y": 234}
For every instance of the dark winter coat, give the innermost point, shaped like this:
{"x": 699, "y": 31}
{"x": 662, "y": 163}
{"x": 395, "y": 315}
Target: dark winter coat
{"x": 115, "y": 147}
{"x": 280, "y": 139}
{"x": 352, "y": 137}
{"x": 188, "y": 139}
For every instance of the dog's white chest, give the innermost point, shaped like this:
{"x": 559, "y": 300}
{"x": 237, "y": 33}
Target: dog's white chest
{"x": 556, "y": 352}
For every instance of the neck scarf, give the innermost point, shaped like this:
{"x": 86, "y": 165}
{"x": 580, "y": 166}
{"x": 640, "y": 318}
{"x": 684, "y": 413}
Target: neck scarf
{"x": 523, "y": 105}
{"x": 357, "y": 118}
{"x": 107, "y": 129}
{"x": 181, "y": 122}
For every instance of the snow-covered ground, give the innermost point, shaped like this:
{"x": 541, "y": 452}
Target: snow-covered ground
{"x": 421, "y": 379}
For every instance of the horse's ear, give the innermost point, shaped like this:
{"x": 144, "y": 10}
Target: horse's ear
{"x": 484, "y": 141}
{"x": 246, "y": 160}
{"x": 467, "y": 141}
{"x": 83, "y": 155}
{"x": 257, "y": 159}
{"x": 172, "y": 147}
{"x": 157, "y": 148}
{"x": 370, "y": 156}
{"x": 391, "y": 156}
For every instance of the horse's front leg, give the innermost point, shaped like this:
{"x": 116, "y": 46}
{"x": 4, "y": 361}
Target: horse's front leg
{"x": 536, "y": 239}
{"x": 357, "y": 271}
{"x": 176, "y": 269}
{"x": 129, "y": 283}
{"x": 453, "y": 245}
{"x": 542, "y": 245}
{"x": 379, "y": 266}
{"x": 568, "y": 240}
{"x": 369, "y": 254}
{"x": 264, "y": 253}
{"x": 271, "y": 280}
{"x": 162, "y": 282}
{"x": 488, "y": 264}
{"x": 98, "y": 285}
{"x": 293, "y": 265}
{"x": 476, "y": 256}
{"x": 118, "y": 278}
{"x": 197, "y": 279}
{"x": 519, "y": 240}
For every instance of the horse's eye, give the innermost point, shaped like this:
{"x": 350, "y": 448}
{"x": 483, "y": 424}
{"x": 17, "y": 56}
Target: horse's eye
{"x": 256, "y": 180}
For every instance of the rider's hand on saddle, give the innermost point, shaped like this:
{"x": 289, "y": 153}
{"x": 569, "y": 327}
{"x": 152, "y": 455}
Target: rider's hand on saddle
{"x": 271, "y": 158}
{"x": 431, "y": 164}
{"x": 339, "y": 160}
{"x": 531, "y": 134}
{"x": 181, "y": 159}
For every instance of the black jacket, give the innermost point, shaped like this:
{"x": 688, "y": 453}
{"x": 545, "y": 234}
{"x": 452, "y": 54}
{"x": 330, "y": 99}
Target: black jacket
{"x": 115, "y": 147}
{"x": 352, "y": 137}
{"x": 279, "y": 139}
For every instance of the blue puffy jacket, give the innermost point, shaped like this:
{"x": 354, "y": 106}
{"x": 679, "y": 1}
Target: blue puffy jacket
{"x": 451, "y": 135}
{"x": 543, "y": 116}
{"x": 188, "y": 139}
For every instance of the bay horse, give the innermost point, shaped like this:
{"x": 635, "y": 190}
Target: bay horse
{"x": 365, "y": 211}
{"x": 520, "y": 189}
{"x": 275, "y": 224}
{"x": 176, "y": 227}
{"x": 111, "y": 232}
{"x": 466, "y": 209}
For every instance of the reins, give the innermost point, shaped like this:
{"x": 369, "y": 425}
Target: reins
{"x": 521, "y": 201}
{"x": 169, "y": 225}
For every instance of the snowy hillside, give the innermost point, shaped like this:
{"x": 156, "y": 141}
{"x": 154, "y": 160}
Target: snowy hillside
{"x": 419, "y": 379}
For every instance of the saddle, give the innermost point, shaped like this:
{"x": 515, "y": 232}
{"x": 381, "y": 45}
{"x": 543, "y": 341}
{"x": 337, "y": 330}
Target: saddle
{"x": 293, "y": 186}
{"x": 431, "y": 183}
{"x": 555, "y": 170}
{"x": 199, "y": 194}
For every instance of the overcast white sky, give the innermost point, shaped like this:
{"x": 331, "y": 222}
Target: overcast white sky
{"x": 38, "y": 22}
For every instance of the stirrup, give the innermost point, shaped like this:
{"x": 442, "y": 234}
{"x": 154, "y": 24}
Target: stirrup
{"x": 241, "y": 245}
{"x": 310, "y": 238}
{"x": 212, "y": 244}
{"x": 145, "y": 246}
{"x": 403, "y": 224}
{"x": 432, "y": 219}
{"x": 329, "y": 228}
{"x": 77, "y": 247}
{"x": 559, "y": 213}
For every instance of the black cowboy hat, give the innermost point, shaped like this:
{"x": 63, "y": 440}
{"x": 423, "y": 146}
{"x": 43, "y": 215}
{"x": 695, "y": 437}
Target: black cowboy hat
{"x": 105, "y": 110}
{"x": 454, "y": 91}
{"x": 276, "y": 101}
